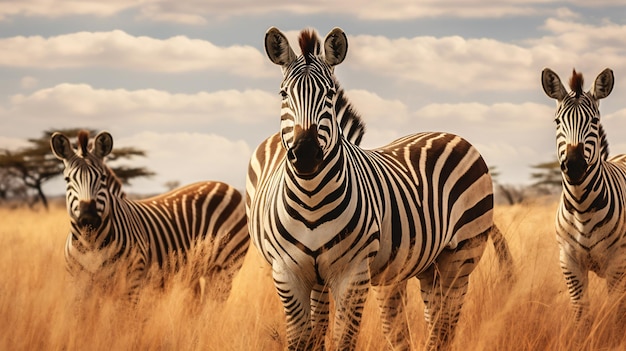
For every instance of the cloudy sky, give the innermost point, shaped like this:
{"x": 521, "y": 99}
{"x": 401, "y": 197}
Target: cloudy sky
{"x": 188, "y": 81}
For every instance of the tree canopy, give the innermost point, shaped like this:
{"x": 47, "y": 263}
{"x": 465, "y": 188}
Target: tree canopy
{"x": 34, "y": 165}
{"x": 548, "y": 176}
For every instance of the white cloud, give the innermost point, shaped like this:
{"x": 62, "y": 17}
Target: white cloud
{"x": 447, "y": 63}
{"x": 472, "y": 65}
{"x": 450, "y": 63}
{"x": 80, "y": 105}
{"x": 118, "y": 49}
{"x": 366, "y": 10}
{"x": 378, "y": 111}
{"x": 585, "y": 38}
{"x": 58, "y": 8}
{"x": 186, "y": 157}
{"x": 198, "y": 12}
{"x": 499, "y": 115}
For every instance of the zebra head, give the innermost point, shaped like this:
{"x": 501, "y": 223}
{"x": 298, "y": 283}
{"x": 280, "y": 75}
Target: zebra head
{"x": 86, "y": 177}
{"x": 309, "y": 91}
{"x": 580, "y": 138}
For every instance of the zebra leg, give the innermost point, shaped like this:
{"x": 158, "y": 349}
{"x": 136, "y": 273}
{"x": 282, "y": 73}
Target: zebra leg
{"x": 350, "y": 295}
{"x": 616, "y": 284}
{"x": 295, "y": 295}
{"x": 320, "y": 314}
{"x": 391, "y": 300}
{"x": 444, "y": 285}
{"x": 576, "y": 279}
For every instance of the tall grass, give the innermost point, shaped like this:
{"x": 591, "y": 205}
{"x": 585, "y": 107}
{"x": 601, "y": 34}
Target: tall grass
{"x": 41, "y": 308}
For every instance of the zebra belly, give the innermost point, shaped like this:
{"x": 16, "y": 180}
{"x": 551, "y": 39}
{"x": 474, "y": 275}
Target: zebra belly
{"x": 393, "y": 264}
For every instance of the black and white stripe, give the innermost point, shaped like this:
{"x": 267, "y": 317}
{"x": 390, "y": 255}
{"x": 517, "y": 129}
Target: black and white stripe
{"x": 331, "y": 217}
{"x": 206, "y": 218}
{"x": 590, "y": 221}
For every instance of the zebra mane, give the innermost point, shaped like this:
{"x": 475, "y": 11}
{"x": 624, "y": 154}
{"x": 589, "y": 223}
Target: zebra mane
{"x": 604, "y": 144}
{"x": 309, "y": 44}
{"x": 83, "y": 142}
{"x": 349, "y": 119}
{"x": 576, "y": 83}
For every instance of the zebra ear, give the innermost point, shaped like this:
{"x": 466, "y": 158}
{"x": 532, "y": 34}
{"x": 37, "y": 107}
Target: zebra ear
{"x": 552, "y": 84}
{"x": 61, "y": 146}
{"x": 103, "y": 144}
{"x": 335, "y": 46}
{"x": 603, "y": 85}
{"x": 277, "y": 47}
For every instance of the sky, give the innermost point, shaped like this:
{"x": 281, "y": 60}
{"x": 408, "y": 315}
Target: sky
{"x": 188, "y": 81}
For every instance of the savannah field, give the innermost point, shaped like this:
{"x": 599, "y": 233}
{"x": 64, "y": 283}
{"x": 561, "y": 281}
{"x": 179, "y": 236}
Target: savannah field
{"x": 40, "y": 308}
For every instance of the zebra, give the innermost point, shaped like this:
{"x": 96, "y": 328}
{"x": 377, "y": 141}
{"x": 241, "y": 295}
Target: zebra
{"x": 590, "y": 220}
{"x": 334, "y": 219}
{"x": 202, "y": 225}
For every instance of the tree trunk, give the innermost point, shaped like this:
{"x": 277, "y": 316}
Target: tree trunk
{"x": 41, "y": 195}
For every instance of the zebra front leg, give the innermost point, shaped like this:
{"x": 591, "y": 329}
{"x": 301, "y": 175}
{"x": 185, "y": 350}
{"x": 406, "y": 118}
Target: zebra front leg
{"x": 350, "y": 293}
{"x": 391, "y": 301}
{"x": 320, "y": 314}
{"x": 576, "y": 279}
{"x": 295, "y": 295}
{"x": 616, "y": 284}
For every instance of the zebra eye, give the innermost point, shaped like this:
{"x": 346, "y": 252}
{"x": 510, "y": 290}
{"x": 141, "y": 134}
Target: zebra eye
{"x": 594, "y": 120}
{"x": 330, "y": 94}
{"x": 283, "y": 94}
{"x": 67, "y": 179}
{"x": 104, "y": 178}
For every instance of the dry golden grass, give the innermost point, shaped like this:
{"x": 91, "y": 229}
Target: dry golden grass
{"x": 39, "y": 309}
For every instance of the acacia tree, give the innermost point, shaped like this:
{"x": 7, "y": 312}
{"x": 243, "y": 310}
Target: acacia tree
{"x": 34, "y": 165}
{"x": 547, "y": 177}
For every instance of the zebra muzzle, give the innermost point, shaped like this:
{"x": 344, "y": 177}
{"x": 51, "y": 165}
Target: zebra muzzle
{"x": 306, "y": 154}
{"x": 88, "y": 215}
{"x": 575, "y": 166}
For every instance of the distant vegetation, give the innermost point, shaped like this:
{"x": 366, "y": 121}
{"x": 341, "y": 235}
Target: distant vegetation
{"x": 546, "y": 181}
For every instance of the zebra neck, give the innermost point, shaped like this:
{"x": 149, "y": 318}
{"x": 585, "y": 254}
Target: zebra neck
{"x": 331, "y": 176}
{"x": 590, "y": 194}
{"x": 90, "y": 241}
{"x": 114, "y": 185}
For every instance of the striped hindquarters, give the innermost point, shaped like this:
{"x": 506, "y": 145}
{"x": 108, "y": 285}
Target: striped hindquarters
{"x": 207, "y": 213}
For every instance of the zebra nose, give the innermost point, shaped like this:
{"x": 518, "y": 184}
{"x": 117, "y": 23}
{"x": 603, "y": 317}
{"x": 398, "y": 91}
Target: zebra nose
{"x": 88, "y": 215}
{"x": 305, "y": 155}
{"x": 574, "y": 165}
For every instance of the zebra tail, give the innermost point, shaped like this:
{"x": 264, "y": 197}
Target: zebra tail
{"x": 505, "y": 259}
